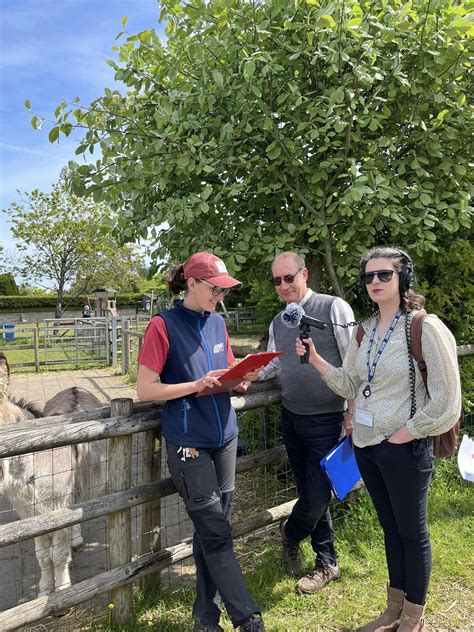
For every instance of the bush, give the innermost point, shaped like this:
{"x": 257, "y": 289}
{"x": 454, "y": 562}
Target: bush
{"x": 8, "y": 285}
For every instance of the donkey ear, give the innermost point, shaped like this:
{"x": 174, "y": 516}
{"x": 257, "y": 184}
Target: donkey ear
{"x": 4, "y": 364}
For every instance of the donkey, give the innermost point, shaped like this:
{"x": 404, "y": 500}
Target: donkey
{"x": 51, "y": 479}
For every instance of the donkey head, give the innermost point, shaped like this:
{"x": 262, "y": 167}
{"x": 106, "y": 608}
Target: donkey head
{"x": 4, "y": 378}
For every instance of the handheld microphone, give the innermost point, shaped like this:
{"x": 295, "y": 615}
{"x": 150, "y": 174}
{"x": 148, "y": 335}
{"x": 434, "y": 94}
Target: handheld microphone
{"x": 312, "y": 322}
{"x": 294, "y": 316}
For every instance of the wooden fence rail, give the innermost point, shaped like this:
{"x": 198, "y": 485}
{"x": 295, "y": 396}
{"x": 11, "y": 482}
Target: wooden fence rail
{"x": 123, "y": 575}
{"x": 117, "y": 424}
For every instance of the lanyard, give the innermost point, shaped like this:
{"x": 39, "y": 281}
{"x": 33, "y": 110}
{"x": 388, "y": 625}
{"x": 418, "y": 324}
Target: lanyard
{"x": 372, "y": 368}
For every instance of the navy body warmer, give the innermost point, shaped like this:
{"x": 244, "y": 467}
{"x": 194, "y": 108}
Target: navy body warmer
{"x": 197, "y": 345}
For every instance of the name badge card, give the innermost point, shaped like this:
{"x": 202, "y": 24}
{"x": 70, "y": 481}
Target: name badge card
{"x": 364, "y": 417}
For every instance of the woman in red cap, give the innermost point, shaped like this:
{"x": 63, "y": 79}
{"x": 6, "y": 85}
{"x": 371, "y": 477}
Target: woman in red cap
{"x": 185, "y": 350}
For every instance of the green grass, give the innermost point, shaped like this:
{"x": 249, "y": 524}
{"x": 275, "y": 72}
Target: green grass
{"x": 359, "y": 594}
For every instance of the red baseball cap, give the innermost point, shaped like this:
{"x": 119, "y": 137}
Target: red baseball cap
{"x": 206, "y": 266}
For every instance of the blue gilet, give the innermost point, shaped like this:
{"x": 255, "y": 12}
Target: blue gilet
{"x": 197, "y": 345}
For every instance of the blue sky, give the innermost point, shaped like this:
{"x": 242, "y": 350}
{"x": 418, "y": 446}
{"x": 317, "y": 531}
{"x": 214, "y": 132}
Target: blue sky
{"x": 52, "y": 50}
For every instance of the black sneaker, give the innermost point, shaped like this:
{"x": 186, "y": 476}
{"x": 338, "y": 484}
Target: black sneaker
{"x": 292, "y": 556}
{"x": 254, "y": 624}
{"x": 207, "y": 627}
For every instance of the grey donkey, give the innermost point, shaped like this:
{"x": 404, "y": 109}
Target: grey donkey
{"x": 44, "y": 481}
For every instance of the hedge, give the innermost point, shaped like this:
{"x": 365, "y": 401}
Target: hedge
{"x": 17, "y": 303}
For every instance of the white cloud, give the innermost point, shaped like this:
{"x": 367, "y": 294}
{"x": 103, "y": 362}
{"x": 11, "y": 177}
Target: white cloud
{"x": 25, "y": 150}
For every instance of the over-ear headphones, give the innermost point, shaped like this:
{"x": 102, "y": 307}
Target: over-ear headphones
{"x": 405, "y": 276}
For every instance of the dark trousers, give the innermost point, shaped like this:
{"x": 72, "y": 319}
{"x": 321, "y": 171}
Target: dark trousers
{"x": 398, "y": 481}
{"x": 307, "y": 439}
{"x": 206, "y": 485}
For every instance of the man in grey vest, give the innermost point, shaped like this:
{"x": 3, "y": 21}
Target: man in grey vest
{"x": 311, "y": 419}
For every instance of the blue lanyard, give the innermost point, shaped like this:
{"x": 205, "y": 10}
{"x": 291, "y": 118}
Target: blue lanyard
{"x": 372, "y": 368}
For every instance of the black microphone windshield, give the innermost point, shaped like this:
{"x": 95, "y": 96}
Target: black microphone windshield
{"x": 292, "y": 315}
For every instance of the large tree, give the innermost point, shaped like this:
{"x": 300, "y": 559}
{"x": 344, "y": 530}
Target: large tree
{"x": 60, "y": 242}
{"x": 265, "y": 125}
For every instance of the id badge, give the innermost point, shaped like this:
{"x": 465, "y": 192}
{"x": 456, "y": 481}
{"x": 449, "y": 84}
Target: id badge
{"x": 364, "y": 417}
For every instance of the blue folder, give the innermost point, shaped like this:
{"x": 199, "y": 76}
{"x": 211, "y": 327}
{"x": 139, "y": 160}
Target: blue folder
{"x": 340, "y": 468}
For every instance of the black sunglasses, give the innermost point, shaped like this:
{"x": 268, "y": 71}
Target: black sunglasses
{"x": 288, "y": 278}
{"x": 216, "y": 291}
{"x": 384, "y": 275}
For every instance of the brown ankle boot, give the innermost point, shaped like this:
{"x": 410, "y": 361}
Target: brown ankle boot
{"x": 390, "y": 617}
{"x": 412, "y": 619}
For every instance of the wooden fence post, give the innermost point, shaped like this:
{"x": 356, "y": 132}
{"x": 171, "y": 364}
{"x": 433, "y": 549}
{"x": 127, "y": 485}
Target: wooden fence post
{"x": 119, "y": 524}
{"x": 150, "y": 537}
{"x": 36, "y": 344}
{"x": 125, "y": 345}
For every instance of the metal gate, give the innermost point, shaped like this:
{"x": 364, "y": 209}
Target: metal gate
{"x": 76, "y": 340}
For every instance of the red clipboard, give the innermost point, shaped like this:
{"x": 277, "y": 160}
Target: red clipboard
{"x": 231, "y": 378}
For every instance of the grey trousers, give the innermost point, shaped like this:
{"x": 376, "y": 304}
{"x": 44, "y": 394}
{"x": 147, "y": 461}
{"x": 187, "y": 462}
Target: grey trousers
{"x": 206, "y": 485}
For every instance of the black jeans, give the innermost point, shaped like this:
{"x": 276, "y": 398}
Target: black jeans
{"x": 206, "y": 484}
{"x": 307, "y": 439}
{"x": 398, "y": 483}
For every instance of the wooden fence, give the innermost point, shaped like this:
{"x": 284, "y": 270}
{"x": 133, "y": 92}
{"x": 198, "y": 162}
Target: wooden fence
{"x": 117, "y": 424}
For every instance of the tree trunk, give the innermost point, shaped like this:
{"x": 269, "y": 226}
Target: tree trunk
{"x": 59, "y": 300}
{"x": 313, "y": 263}
{"x": 338, "y": 290}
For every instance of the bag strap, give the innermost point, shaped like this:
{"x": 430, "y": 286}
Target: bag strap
{"x": 360, "y": 333}
{"x": 416, "y": 324}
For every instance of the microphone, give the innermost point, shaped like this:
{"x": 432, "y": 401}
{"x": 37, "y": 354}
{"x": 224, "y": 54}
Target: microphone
{"x": 294, "y": 316}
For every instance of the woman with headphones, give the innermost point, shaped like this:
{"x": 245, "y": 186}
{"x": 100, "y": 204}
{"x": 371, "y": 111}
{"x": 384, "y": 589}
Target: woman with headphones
{"x": 393, "y": 438}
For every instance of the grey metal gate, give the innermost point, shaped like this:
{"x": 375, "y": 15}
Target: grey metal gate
{"x": 76, "y": 340}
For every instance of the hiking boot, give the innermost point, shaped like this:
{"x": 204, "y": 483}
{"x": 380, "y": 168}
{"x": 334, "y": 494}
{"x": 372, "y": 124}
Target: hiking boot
{"x": 389, "y": 619}
{"x": 412, "y": 619}
{"x": 292, "y": 556}
{"x": 317, "y": 578}
{"x": 207, "y": 627}
{"x": 254, "y": 624}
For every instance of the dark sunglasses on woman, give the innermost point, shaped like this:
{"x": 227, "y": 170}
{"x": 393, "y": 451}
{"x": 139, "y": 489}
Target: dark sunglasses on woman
{"x": 383, "y": 275}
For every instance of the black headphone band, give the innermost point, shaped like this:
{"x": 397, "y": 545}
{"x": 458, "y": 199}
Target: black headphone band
{"x": 407, "y": 257}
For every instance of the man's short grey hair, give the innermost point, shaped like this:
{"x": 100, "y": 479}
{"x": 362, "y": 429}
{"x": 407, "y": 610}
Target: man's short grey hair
{"x": 297, "y": 259}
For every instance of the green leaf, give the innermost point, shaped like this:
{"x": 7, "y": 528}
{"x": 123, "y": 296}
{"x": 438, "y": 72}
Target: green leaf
{"x": 207, "y": 192}
{"x": 27, "y": 105}
{"x": 53, "y": 134}
{"x": 337, "y": 96}
{"x": 218, "y": 78}
{"x": 273, "y": 150}
{"x": 249, "y": 70}
{"x": 326, "y": 21}
{"x": 353, "y": 23}
{"x": 124, "y": 21}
